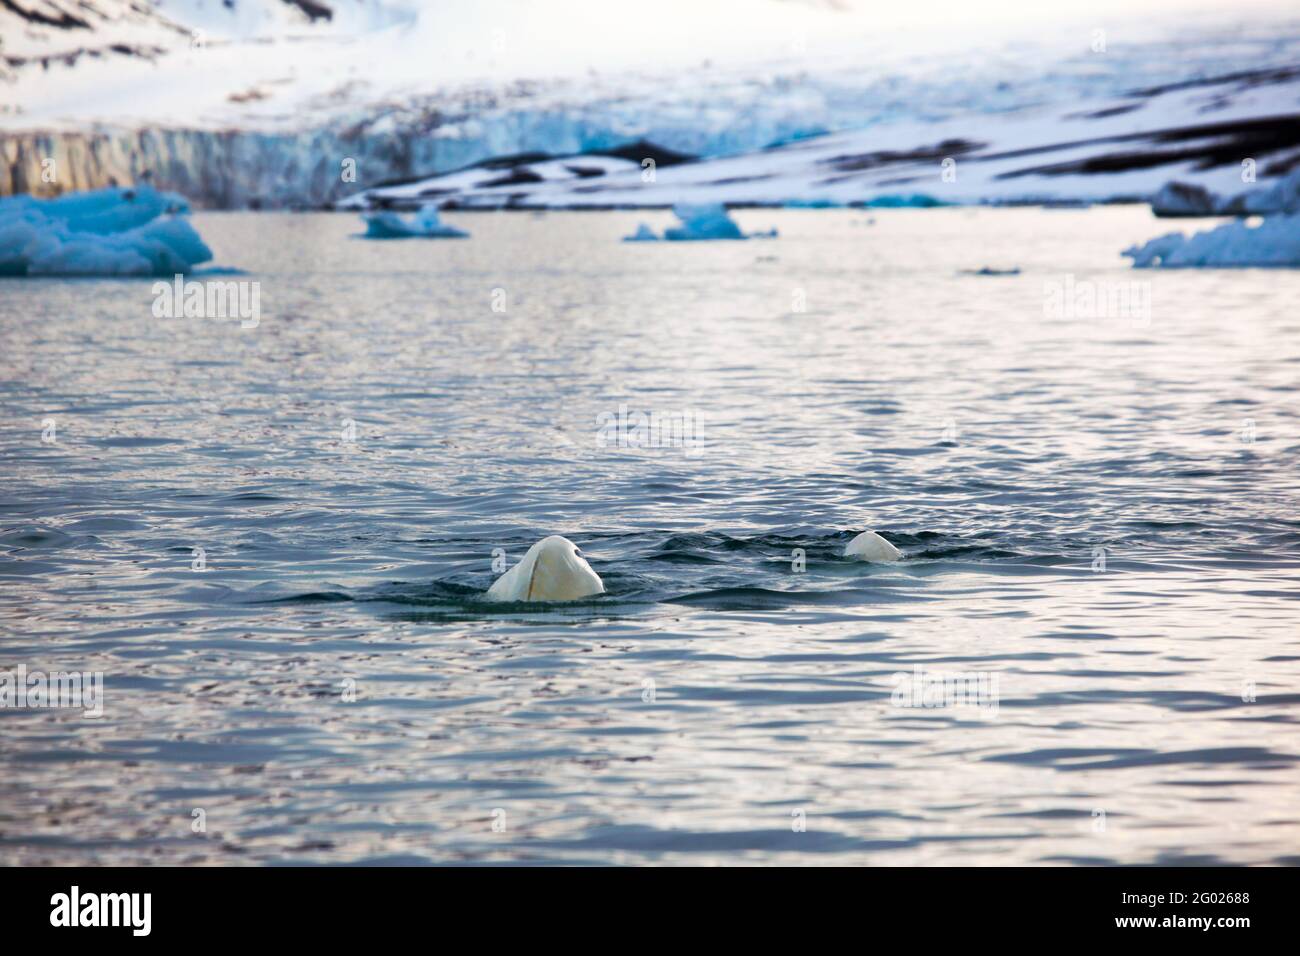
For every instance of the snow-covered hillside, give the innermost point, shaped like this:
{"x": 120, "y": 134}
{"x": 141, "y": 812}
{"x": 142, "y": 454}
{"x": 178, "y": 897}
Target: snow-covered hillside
{"x": 1218, "y": 133}
{"x": 201, "y": 63}
{"x": 60, "y": 34}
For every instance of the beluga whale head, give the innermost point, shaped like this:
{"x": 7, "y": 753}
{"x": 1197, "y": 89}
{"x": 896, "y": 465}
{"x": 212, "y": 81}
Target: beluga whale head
{"x": 552, "y": 570}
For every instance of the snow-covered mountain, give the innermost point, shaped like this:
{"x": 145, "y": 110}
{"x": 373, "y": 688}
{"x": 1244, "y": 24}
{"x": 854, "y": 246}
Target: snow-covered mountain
{"x": 198, "y": 63}
{"x": 1220, "y": 133}
{"x": 59, "y": 33}
{"x": 268, "y": 102}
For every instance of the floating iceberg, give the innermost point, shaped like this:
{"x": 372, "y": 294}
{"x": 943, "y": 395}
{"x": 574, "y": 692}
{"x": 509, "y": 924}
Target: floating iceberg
{"x": 1283, "y": 196}
{"x": 904, "y": 201}
{"x": 820, "y": 203}
{"x": 1187, "y": 199}
{"x": 1183, "y": 199}
{"x": 425, "y": 224}
{"x": 107, "y": 232}
{"x": 1275, "y": 242}
{"x": 702, "y": 221}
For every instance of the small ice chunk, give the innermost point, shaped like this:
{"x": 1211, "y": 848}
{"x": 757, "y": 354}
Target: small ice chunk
{"x": 904, "y": 201}
{"x": 703, "y": 221}
{"x": 643, "y": 234}
{"x": 425, "y": 224}
{"x": 1183, "y": 199}
{"x": 698, "y": 221}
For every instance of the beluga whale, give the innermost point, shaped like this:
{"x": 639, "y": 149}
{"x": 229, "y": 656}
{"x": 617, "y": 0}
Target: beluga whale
{"x": 552, "y": 570}
{"x": 870, "y": 546}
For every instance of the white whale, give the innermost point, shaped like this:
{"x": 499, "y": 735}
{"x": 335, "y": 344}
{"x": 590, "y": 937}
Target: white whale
{"x": 552, "y": 570}
{"x": 870, "y": 546}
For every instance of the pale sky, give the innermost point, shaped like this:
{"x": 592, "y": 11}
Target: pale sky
{"x": 539, "y": 36}
{"x": 377, "y": 48}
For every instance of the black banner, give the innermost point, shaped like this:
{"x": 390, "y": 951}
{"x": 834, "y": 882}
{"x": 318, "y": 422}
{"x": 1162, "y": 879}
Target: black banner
{"x": 1222, "y": 906}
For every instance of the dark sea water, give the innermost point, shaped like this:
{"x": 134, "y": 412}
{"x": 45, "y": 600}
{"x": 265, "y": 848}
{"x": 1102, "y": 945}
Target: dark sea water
{"x": 1098, "y": 515}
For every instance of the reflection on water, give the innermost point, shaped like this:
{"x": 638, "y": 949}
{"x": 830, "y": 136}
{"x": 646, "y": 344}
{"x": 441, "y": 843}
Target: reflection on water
{"x": 273, "y": 542}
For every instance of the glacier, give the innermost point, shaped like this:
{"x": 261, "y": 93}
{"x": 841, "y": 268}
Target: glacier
{"x": 136, "y": 231}
{"x": 256, "y": 105}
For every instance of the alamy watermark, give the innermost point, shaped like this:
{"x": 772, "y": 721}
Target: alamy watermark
{"x": 946, "y": 689}
{"x": 65, "y": 689}
{"x": 1069, "y": 298}
{"x": 672, "y": 429}
{"x": 75, "y": 908}
{"x": 211, "y": 299}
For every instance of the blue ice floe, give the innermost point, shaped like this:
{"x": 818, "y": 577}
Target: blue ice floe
{"x": 904, "y": 201}
{"x": 819, "y": 203}
{"x": 1274, "y": 242}
{"x": 425, "y": 224}
{"x": 136, "y": 231}
{"x": 1177, "y": 199}
{"x": 703, "y": 221}
{"x": 643, "y": 234}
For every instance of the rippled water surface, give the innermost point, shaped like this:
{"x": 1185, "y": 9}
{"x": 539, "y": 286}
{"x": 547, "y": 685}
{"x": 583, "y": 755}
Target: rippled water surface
{"x": 1098, "y": 520}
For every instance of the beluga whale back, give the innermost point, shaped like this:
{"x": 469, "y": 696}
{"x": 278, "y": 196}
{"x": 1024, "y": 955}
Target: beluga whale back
{"x": 870, "y": 546}
{"x": 552, "y": 570}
